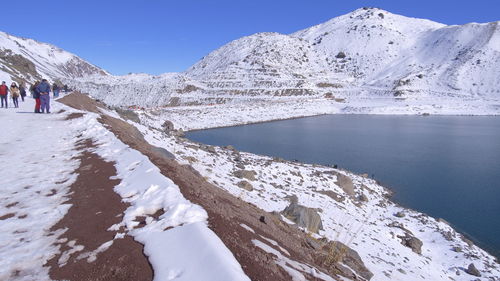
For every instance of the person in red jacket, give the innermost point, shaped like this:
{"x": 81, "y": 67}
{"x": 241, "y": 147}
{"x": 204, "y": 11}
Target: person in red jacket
{"x": 4, "y": 90}
{"x": 36, "y": 95}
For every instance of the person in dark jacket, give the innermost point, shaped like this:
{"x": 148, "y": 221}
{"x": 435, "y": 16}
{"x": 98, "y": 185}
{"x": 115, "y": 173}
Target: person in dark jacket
{"x": 22, "y": 90}
{"x": 36, "y": 95}
{"x": 4, "y": 90}
{"x": 55, "y": 89}
{"x": 44, "y": 90}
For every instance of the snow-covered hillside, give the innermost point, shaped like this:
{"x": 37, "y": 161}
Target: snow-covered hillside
{"x": 27, "y": 60}
{"x": 367, "y": 54}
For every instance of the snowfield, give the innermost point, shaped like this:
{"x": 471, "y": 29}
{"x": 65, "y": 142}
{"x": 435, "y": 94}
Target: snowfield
{"x": 41, "y": 150}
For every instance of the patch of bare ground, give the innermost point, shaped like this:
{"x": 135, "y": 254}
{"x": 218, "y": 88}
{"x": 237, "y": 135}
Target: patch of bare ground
{"x": 96, "y": 207}
{"x": 227, "y": 213}
{"x": 7, "y": 216}
{"x": 74, "y": 115}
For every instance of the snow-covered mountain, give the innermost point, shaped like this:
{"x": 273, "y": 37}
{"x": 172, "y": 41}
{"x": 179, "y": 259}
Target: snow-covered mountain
{"x": 28, "y": 60}
{"x": 368, "y": 47}
{"x": 366, "y": 54}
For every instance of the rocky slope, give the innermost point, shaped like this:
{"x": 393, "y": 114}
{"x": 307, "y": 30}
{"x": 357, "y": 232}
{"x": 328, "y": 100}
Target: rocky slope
{"x": 27, "y": 60}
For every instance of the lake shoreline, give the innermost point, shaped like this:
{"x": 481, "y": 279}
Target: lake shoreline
{"x": 390, "y": 194}
{"x": 487, "y": 246}
{"x": 341, "y": 113}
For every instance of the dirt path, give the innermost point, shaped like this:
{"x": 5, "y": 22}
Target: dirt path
{"x": 96, "y": 207}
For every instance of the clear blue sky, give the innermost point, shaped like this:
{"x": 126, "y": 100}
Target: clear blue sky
{"x": 157, "y": 36}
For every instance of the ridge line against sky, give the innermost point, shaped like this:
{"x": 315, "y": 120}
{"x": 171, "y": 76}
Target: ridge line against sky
{"x": 158, "y": 36}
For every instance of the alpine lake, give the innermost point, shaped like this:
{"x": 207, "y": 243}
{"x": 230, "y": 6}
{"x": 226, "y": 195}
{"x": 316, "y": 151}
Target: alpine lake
{"x": 445, "y": 166}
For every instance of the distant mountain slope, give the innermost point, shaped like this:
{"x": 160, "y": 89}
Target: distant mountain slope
{"x": 29, "y": 60}
{"x": 261, "y": 63}
{"x": 368, "y": 53}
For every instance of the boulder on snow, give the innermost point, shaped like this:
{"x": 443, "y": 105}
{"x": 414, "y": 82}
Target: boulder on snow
{"x": 167, "y": 126}
{"x": 472, "y": 270}
{"x": 209, "y": 149}
{"x": 398, "y": 93}
{"x": 412, "y": 242}
{"x": 362, "y": 198}
{"x": 400, "y": 214}
{"x": 334, "y": 195}
{"x": 245, "y": 185}
{"x": 245, "y": 174}
{"x": 340, "y": 55}
{"x": 345, "y": 183}
{"x": 339, "y": 252}
{"x": 303, "y": 216}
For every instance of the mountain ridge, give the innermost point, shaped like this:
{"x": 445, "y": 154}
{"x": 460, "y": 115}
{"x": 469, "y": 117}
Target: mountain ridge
{"x": 27, "y": 60}
{"x": 368, "y": 53}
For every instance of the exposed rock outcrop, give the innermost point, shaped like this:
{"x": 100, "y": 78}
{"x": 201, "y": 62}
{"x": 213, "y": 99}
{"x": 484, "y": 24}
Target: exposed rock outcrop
{"x": 303, "y": 216}
{"x": 412, "y": 242}
{"x": 345, "y": 183}
{"x": 245, "y": 174}
{"x": 472, "y": 270}
{"x": 167, "y": 126}
{"x": 245, "y": 185}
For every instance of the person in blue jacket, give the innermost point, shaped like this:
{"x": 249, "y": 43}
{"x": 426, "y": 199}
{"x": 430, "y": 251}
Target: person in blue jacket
{"x": 44, "y": 90}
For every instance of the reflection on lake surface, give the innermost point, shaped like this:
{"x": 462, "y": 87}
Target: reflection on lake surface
{"x": 445, "y": 166}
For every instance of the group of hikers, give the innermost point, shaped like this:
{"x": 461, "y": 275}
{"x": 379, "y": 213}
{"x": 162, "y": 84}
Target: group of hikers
{"x": 40, "y": 91}
{"x": 15, "y": 93}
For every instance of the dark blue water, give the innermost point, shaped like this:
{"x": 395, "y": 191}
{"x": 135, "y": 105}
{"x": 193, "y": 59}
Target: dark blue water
{"x": 445, "y": 166}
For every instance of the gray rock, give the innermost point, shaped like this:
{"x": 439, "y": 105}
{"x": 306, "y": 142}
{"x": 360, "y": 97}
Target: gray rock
{"x": 472, "y": 270}
{"x": 457, "y": 249}
{"x": 448, "y": 235}
{"x": 230, "y": 147}
{"x": 303, "y": 216}
{"x": 332, "y": 194}
{"x": 345, "y": 183}
{"x": 313, "y": 243}
{"x": 363, "y": 198}
{"x": 208, "y": 148}
{"x": 177, "y": 133}
{"x": 400, "y": 214}
{"x": 348, "y": 257}
{"x": 340, "y": 55}
{"x": 167, "y": 126}
{"x": 245, "y": 174}
{"x": 191, "y": 159}
{"x": 412, "y": 242}
{"x": 245, "y": 185}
